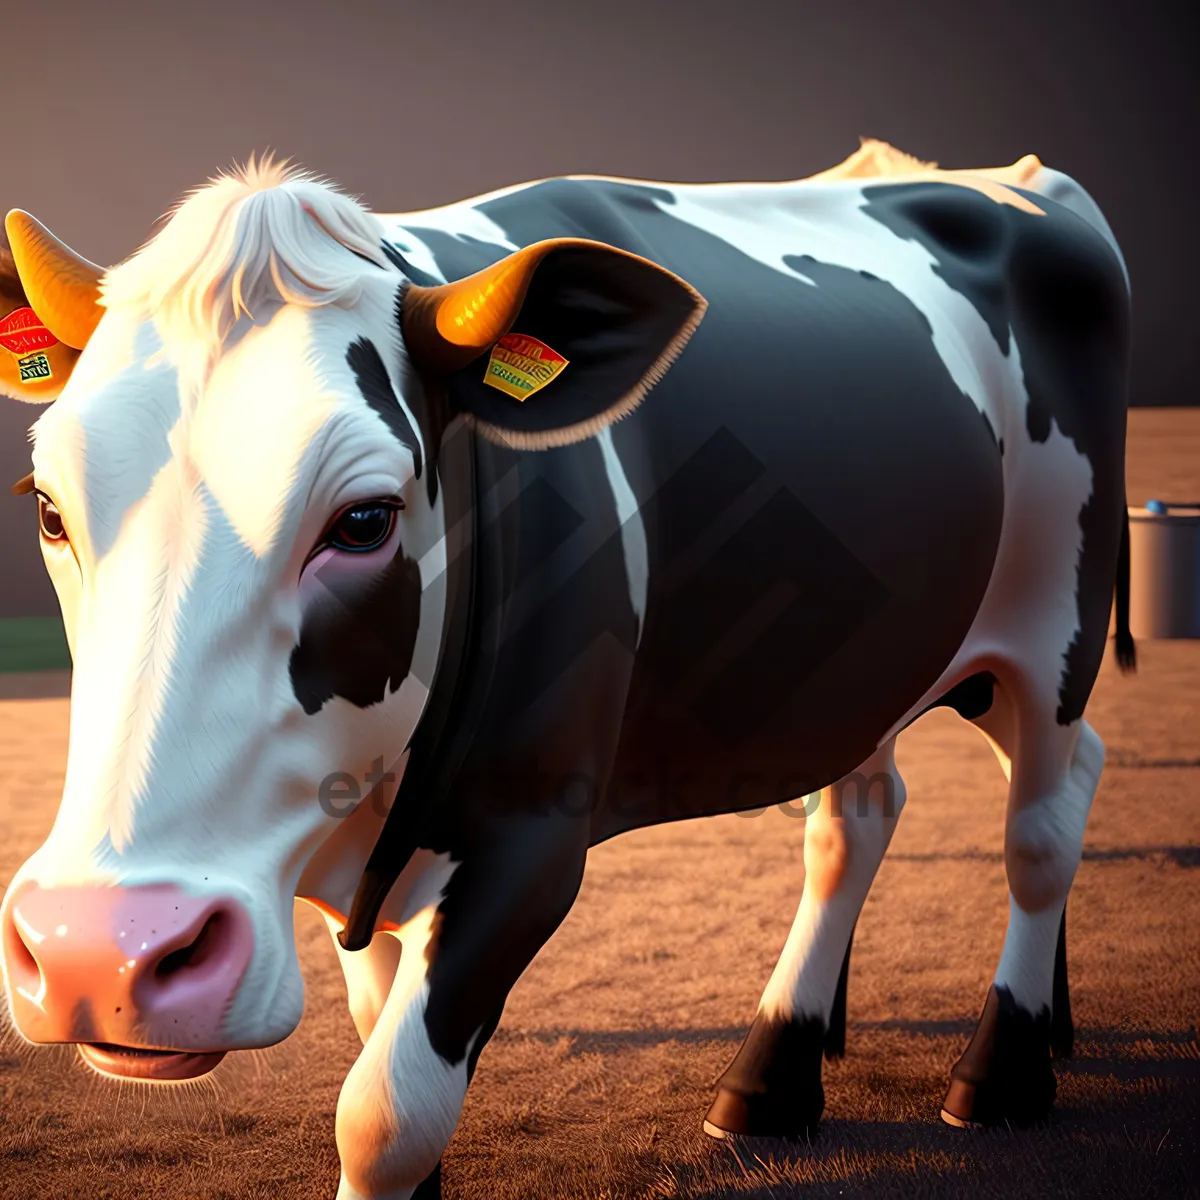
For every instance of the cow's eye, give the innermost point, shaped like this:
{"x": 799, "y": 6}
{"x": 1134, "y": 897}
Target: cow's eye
{"x": 364, "y": 527}
{"x": 50, "y": 519}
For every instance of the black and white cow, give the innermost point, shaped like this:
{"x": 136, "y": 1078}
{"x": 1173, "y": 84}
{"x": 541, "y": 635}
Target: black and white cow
{"x": 375, "y": 600}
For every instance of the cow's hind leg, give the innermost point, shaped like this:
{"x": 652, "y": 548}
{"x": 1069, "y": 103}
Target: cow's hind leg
{"x": 1062, "y": 1027}
{"x": 998, "y": 725}
{"x": 773, "y": 1087}
{"x": 1005, "y": 1074}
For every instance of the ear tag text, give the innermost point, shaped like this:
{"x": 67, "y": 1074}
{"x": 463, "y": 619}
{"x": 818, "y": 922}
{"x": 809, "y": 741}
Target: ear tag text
{"x": 521, "y": 365}
{"x": 34, "y": 367}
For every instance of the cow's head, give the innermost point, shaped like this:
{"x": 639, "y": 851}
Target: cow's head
{"x": 238, "y": 507}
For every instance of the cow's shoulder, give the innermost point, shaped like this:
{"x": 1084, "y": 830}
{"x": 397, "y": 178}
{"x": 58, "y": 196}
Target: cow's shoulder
{"x": 457, "y": 239}
{"x": 614, "y": 211}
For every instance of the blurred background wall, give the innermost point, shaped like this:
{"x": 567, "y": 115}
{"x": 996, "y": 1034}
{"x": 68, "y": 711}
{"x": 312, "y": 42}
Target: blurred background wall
{"x": 111, "y": 111}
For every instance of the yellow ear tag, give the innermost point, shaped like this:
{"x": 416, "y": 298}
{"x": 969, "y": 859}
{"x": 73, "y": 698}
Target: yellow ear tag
{"x": 521, "y": 365}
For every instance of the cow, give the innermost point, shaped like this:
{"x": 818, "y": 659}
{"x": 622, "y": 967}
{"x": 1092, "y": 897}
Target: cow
{"x": 403, "y": 558}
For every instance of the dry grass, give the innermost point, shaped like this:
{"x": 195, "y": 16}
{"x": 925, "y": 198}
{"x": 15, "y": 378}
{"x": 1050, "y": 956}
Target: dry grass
{"x": 595, "y": 1084}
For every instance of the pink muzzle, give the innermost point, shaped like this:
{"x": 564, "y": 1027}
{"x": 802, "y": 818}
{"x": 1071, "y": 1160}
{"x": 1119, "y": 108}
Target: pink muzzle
{"x": 148, "y": 967}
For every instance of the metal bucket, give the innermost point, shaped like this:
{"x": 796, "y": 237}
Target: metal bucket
{"x": 1164, "y": 562}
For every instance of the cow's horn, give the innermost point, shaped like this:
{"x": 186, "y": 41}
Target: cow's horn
{"x": 63, "y": 288}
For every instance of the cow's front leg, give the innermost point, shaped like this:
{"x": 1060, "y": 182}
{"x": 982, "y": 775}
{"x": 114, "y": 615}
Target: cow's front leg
{"x": 401, "y": 1100}
{"x": 369, "y": 975}
{"x": 470, "y": 927}
{"x": 773, "y": 1087}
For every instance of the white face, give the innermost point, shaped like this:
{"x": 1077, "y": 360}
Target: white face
{"x": 251, "y": 579}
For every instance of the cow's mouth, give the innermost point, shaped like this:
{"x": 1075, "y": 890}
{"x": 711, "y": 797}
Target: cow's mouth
{"x": 134, "y": 1062}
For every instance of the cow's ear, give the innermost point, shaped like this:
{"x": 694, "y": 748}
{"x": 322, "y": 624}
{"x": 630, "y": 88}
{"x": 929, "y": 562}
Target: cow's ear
{"x": 552, "y": 343}
{"x": 34, "y": 364}
{"x": 48, "y": 309}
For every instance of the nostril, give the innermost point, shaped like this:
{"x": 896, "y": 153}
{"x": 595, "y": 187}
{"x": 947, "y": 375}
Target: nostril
{"x": 207, "y": 946}
{"x": 91, "y": 964}
{"x": 21, "y": 963}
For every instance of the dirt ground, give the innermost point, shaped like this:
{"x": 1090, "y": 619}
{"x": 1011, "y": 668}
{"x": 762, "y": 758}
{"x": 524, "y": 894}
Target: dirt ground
{"x": 596, "y": 1082}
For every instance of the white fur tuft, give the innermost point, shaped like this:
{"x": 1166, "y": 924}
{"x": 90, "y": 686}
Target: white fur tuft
{"x": 263, "y": 234}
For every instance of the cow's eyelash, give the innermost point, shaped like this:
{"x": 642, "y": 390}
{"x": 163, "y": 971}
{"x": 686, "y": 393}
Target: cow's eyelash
{"x": 46, "y": 506}
{"x": 394, "y": 504}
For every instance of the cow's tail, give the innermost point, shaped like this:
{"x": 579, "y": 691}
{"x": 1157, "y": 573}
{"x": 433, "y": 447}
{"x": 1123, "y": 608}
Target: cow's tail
{"x": 1126, "y": 650}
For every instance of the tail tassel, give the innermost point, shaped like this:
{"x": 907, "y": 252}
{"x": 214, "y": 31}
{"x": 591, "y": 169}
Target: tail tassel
{"x": 1126, "y": 650}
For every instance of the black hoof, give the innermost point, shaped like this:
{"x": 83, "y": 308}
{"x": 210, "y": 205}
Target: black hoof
{"x": 763, "y": 1116}
{"x": 1004, "y": 1077}
{"x": 773, "y": 1086}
